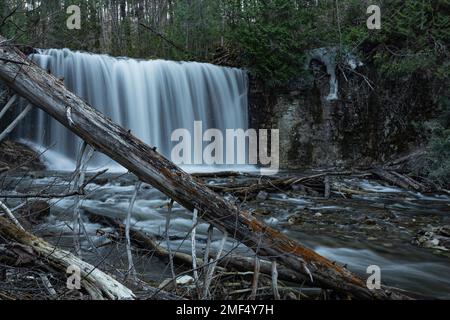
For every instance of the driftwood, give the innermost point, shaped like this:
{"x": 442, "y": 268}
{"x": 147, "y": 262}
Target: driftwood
{"x": 255, "y": 279}
{"x": 402, "y": 161}
{"x": 399, "y": 180}
{"x": 142, "y": 240}
{"x": 80, "y": 191}
{"x": 131, "y": 267}
{"x": 7, "y": 106}
{"x": 172, "y": 267}
{"x": 232, "y": 261}
{"x": 49, "y": 94}
{"x": 316, "y": 182}
{"x": 10, "y": 215}
{"x": 97, "y": 283}
{"x": 6, "y": 296}
{"x": 15, "y": 122}
{"x": 226, "y": 174}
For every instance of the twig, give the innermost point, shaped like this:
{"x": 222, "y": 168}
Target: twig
{"x": 327, "y": 187}
{"x": 208, "y": 246}
{"x": 212, "y": 266}
{"x": 76, "y": 173}
{"x": 10, "y": 215}
{"x": 80, "y": 192}
{"x": 86, "y": 234}
{"x": 165, "y": 39}
{"x": 48, "y": 285}
{"x": 131, "y": 268}
{"x": 255, "y": 278}
{"x": 4, "y": 169}
{"x": 169, "y": 249}
{"x": 9, "y": 15}
{"x": 80, "y": 175}
{"x": 193, "y": 243}
{"x": 8, "y": 105}
{"x": 15, "y": 122}
{"x": 338, "y": 18}
{"x": 14, "y": 61}
{"x": 276, "y": 293}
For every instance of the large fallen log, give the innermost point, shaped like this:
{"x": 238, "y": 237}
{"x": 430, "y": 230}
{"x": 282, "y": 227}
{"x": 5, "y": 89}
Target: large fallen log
{"x": 49, "y": 94}
{"x": 249, "y": 189}
{"x": 399, "y": 180}
{"x": 146, "y": 242}
{"x": 96, "y": 282}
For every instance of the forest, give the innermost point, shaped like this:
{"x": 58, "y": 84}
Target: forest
{"x": 224, "y": 150}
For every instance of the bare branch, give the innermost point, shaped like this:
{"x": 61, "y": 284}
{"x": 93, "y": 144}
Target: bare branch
{"x": 131, "y": 268}
{"x": 10, "y": 215}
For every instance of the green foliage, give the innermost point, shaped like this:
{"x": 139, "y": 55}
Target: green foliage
{"x": 271, "y": 37}
{"x": 197, "y": 27}
{"x": 436, "y": 163}
{"x": 414, "y": 39}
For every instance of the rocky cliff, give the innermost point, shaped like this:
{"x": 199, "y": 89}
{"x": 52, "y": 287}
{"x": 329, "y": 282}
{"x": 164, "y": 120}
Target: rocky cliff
{"x": 371, "y": 119}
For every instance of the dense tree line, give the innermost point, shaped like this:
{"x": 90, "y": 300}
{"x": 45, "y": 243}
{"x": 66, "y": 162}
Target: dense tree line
{"x": 114, "y": 26}
{"x": 269, "y": 37}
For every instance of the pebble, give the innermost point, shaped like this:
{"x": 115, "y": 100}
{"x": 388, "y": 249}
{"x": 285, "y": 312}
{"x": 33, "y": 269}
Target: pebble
{"x": 262, "y": 195}
{"x": 434, "y": 238}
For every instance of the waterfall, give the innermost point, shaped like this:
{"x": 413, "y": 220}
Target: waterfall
{"x": 150, "y": 98}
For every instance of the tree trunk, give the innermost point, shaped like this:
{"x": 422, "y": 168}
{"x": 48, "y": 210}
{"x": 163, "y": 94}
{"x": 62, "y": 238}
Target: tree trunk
{"x": 99, "y": 285}
{"x": 49, "y": 94}
{"x": 146, "y": 242}
{"x": 398, "y": 180}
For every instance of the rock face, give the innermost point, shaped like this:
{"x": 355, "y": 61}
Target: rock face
{"x": 369, "y": 120}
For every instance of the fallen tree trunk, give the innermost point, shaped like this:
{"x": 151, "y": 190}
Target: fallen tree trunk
{"x": 142, "y": 240}
{"x": 398, "y": 180}
{"x": 49, "y": 94}
{"x": 97, "y": 283}
{"x": 146, "y": 242}
{"x": 248, "y": 189}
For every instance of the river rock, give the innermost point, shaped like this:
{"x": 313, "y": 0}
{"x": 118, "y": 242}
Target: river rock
{"x": 262, "y": 195}
{"x": 434, "y": 238}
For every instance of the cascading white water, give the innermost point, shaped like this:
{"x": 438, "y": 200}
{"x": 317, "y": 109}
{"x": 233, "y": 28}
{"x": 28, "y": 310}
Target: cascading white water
{"x": 151, "y": 98}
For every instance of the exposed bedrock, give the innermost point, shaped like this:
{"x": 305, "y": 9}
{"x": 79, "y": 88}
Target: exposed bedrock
{"x": 370, "y": 120}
